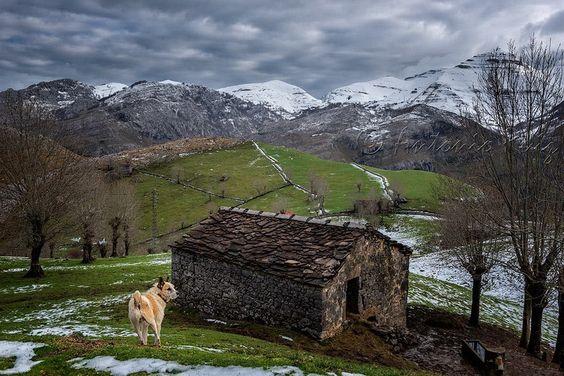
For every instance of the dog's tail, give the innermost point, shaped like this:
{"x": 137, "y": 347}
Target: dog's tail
{"x": 137, "y": 299}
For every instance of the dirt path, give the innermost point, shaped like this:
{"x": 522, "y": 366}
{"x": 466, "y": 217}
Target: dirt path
{"x": 280, "y": 170}
{"x": 382, "y": 180}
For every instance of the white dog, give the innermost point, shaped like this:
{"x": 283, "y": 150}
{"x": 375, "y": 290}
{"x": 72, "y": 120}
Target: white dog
{"x": 148, "y": 309}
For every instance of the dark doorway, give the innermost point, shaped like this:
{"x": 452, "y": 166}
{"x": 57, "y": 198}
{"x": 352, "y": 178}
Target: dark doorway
{"x": 353, "y": 292}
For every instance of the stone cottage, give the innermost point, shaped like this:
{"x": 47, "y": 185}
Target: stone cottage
{"x": 287, "y": 270}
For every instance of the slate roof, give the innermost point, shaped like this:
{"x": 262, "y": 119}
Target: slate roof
{"x": 305, "y": 249}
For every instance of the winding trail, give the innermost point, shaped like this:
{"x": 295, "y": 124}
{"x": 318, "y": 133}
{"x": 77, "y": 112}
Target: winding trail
{"x": 280, "y": 170}
{"x": 383, "y": 181}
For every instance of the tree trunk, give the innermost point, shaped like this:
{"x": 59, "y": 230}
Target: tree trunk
{"x": 538, "y": 291}
{"x": 51, "y": 249}
{"x": 35, "y": 269}
{"x": 126, "y": 243}
{"x": 102, "y": 248}
{"x": 476, "y": 293}
{"x": 559, "y": 350}
{"x": 87, "y": 237}
{"x": 526, "y": 323}
{"x": 115, "y": 237}
{"x": 114, "y": 246}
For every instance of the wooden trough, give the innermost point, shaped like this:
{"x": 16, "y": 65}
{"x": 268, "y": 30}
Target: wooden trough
{"x": 487, "y": 360}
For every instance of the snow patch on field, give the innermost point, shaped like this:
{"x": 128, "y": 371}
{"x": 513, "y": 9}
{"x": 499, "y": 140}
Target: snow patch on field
{"x": 67, "y": 317}
{"x": 158, "y": 260}
{"x": 23, "y": 352}
{"x": 214, "y": 321}
{"x": 83, "y": 329}
{"x": 198, "y": 348}
{"x": 162, "y": 367}
{"x": 402, "y": 236}
{"x": 24, "y": 289}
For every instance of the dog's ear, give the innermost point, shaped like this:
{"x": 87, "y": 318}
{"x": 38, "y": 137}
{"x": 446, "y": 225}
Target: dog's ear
{"x": 161, "y": 283}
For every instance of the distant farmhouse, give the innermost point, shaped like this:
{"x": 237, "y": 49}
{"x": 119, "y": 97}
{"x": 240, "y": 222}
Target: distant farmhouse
{"x": 287, "y": 270}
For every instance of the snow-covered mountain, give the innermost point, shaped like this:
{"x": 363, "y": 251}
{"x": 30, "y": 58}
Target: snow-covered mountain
{"x": 278, "y": 96}
{"x": 105, "y": 90}
{"x": 449, "y": 89}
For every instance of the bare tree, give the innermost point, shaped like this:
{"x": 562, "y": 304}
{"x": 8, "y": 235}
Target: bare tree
{"x": 373, "y": 208}
{"x": 259, "y": 185}
{"x": 89, "y": 214}
{"x": 102, "y": 247}
{"x": 40, "y": 181}
{"x": 358, "y": 185}
{"x": 280, "y": 205}
{"x": 120, "y": 210}
{"x": 516, "y": 95}
{"x": 397, "y": 193}
{"x": 154, "y": 218}
{"x": 319, "y": 188}
{"x": 470, "y": 241}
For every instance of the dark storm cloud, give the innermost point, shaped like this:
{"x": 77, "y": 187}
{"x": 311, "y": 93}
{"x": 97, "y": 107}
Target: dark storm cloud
{"x": 316, "y": 44}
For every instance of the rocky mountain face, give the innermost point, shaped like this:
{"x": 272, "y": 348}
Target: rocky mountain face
{"x": 416, "y": 137}
{"x": 145, "y": 113}
{"x": 388, "y": 122}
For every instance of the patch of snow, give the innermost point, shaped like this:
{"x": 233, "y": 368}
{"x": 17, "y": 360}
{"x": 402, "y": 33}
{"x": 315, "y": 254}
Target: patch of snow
{"x": 276, "y": 95}
{"x": 23, "y": 352}
{"x": 451, "y": 89}
{"x": 214, "y": 321}
{"x": 163, "y": 367}
{"x": 86, "y": 330}
{"x": 24, "y": 289}
{"x": 424, "y": 217}
{"x": 17, "y": 331}
{"x": 65, "y": 318}
{"x": 403, "y": 237}
{"x": 170, "y": 82}
{"x": 204, "y": 349}
{"x": 158, "y": 260}
{"x": 105, "y": 90}
{"x": 287, "y": 338}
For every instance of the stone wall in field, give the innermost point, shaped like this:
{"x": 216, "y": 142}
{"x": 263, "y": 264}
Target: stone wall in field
{"x": 223, "y": 290}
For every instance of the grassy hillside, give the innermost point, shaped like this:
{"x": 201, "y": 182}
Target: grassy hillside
{"x": 91, "y": 302}
{"x": 416, "y": 185}
{"x": 192, "y": 185}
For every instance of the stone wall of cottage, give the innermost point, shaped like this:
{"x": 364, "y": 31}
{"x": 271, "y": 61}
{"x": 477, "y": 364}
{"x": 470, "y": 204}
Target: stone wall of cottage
{"x": 222, "y": 290}
{"x": 383, "y": 272}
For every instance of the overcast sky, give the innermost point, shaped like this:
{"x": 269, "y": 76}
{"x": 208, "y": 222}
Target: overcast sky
{"x": 316, "y": 44}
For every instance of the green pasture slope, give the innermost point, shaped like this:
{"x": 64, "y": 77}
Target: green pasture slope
{"x": 92, "y": 300}
{"x": 242, "y": 173}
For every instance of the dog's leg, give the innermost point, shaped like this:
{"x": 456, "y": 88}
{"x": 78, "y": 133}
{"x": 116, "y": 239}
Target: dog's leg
{"x": 144, "y": 332}
{"x": 139, "y": 330}
{"x": 157, "y": 332}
